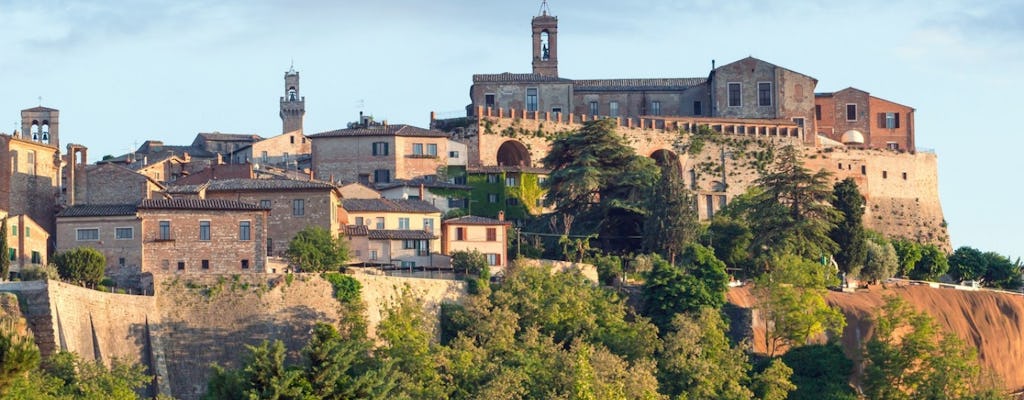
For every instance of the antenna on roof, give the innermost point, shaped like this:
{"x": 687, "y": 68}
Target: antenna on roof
{"x": 40, "y": 101}
{"x": 544, "y": 8}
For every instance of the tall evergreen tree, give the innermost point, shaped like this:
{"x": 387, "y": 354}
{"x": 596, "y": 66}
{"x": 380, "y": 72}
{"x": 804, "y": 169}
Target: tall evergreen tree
{"x": 792, "y": 213}
{"x": 671, "y": 216}
{"x": 849, "y": 233}
{"x": 598, "y": 180}
{"x": 5, "y": 259}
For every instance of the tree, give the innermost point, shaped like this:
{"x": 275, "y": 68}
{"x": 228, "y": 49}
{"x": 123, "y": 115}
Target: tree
{"x": 263, "y": 376}
{"x": 82, "y": 265}
{"x": 698, "y": 281}
{"x": 1000, "y": 272}
{"x": 791, "y": 299}
{"x": 792, "y": 213}
{"x": 671, "y": 221}
{"x": 730, "y": 238}
{"x": 909, "y": 253}
{"x": 880, "y": 262}
{"x": 18, "y": 354}
{"x": 773, "y": 383}
{"x": 932, "y": 265}
{"x": 598, "y": 180}
{"x": 967, "y": 263}
{"x": 699, "y": 363}
{"x": 849, "y": 233}
{"x": 820, "y": 372}
{"x": 5, "y": 260}
{"x": 909, "y": 358}
{"x": 470, "y": 262}
{"x": 314, "y": 249}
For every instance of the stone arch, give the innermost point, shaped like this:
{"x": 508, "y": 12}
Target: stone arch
{"x": 514, "y": 153}
{"x": 667, "y": 158}
{"x": 545, "y": 45}
{"x": 292, "y": 94}
{"x": 717, "y": 186}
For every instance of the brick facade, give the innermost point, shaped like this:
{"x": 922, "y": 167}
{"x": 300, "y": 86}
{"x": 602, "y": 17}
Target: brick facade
{"x": 883, "y": 123}
{"x": 185, "y": 252}
{"x": 29, "y": 179}
{"x": 362, "y": 154}
{"x": 123, "y": 254}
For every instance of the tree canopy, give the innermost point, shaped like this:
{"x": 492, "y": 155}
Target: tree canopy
{"x": 849, "y": 232}
{"x": 315, "y": 249}
{"x": 699, "y": 280}
{"x": 82, "y": 265}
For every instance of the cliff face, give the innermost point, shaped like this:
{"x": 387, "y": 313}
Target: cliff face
{"x": 991, "y": 322}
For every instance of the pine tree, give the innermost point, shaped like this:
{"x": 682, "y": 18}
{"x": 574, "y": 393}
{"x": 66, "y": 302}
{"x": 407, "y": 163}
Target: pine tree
{"x": 849, "y": 233}
{"x": 671, "y": 221}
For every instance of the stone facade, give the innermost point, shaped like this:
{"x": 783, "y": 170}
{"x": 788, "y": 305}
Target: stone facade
{"x": 110, "y": 184}
{"x": 378, "y": 153}
{"x": 281, "y": 150}
{"x": 293, "y": 104}
{"x": 117, "y": 236}
{"x": 30, "y": 179}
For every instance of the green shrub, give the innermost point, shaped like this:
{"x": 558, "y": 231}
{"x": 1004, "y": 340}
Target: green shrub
{"x": 346, "y": 288}
{"x": 39, "y": 273}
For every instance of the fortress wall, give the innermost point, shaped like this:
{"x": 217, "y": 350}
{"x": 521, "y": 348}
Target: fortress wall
{"x": 380, "y": 292}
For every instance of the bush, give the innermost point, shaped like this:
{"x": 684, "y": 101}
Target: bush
{"x": 39, "y": 273}
{"x": 315, "y": 249}
{"x": 346, "y": 288}
{"x": 83, "y": 265}
{"x": 470, "y": 262}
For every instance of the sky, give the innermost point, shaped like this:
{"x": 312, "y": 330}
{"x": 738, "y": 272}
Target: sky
{"x": 125, "y": 72}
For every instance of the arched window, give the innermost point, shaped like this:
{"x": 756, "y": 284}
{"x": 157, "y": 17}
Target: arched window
{"x": 46, "y": 132}
{"x": 291, "y": 94}
{"x": 545, "y": 46}
{"x": 35, "y": 130}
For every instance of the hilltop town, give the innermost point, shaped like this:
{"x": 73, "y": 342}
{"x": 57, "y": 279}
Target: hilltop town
{"x": 405, "y": 198}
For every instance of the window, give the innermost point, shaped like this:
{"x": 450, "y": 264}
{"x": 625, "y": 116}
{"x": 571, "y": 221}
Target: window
{"x": 382, "y": 176}
{"x": 889, "y": 120}
{"x": 205, "y": 264}
{"x": 492, "y": 197}
{"x": 123, "y": 233}
{"x": 359, "y": 221}
{"x": 863, "y": 169}
{"x": 613, "y": 109}
{"x": 428, "y": 225}
{"x": 799, "y": 122}
{"x": 892, "y": 146}
{"x": 181, "y": 265}
{"x": 36, "y": 257}
{"x": 432, "y": 149}
{"x": 204, "y": 230}
{"x": 298, "y": 207}
{"x": 512, "y": 201}
{"x": 453, "y": 154}
{"x": 14, "y": 161}
{"x": 373, "y": 254}
{"x": 264, "y": 156}
{"x": 417, "y": 149}
{"x": 764, "y": 94}
{"x": 408, "y": 264}
{"x": 408, "y": 244}
{"x": 265, "y": 203}
{"x": 245, "y": 264}
{"x": 364, "y": 179}
{"x": 292, "y": 139}
{"x": 734, "y": 95}
{"x": 456, "y": 203}
{"x": 380, "y": 148}
{"x": 511, "y": 180}
{"x": 531, "y": 99}
{"x": 423, "y": 249}
{"x": 121, "y": 262}
{"x": 492, "y": 234}
{"x": 270, "y": 246}
{"x": 489, "y": 100}
{"x": 460, "y": 233}
{"x": 28, "y": 232}
{"x": 851, "y": 112}
{"x": 380, "y": 222}
{"x": 885, "y": 174}
{"x": 696, "y": 108}
{"x": 31, "y": 161}
{"x": 165, "y": 230}
{"x": 594, "y": 108}
{"x": 904, "y": 176}
{"x": 655, "y": 108}
{"x": 817, "y": 112}
{"x": 12, "y": 254}
{"x": 403, "y": 223}
{"x": 492, "y": 178}
{"x": 493, "y": 259}
{"x": 244, "y": 230}
{"x": 14, "y": 230}
{"x": 88, "y": 234}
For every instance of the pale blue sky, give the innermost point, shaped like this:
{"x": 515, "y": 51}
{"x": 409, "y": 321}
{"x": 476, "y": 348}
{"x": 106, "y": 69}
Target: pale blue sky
{"x": 124, "y": 72}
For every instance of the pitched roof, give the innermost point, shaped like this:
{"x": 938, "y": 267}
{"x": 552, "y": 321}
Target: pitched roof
{"x": 356, "y": 230}
{"x": 199, "y": 204}
{"x": 511, "y": 77}
{"x": 98, "y": 210}
{"x": 388, "y": 205}
{"x": 396, "y": 234}
{"x": 495, "y": 169}
{"x": 598, "y": 85}
{"x": 266, "y": 185}
{"x": 40, "y": 108}
{"x": 185, "y": 189}
{"x": 416, "y": 182}
{"x": 229, "y": 137}
{"x": 475, "y": 220}
{"x": 381, "y": 130}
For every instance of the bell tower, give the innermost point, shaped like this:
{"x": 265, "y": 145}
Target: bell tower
{"x": 545, "y": 42}
{"x": 293, "y": 107}
{"x": 39, "y": 124}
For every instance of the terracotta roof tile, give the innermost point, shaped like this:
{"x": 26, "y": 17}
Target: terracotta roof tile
{"x": 475, "y": 220}
{"x": 98, "y": 210}
{"x": 393, "y": 234}
{"x": 512, "y": 77}
{"x": 637, "y": 84}
{"x": 356, "y": 230}
{"x": 381, "y": 130}
{"x": 265, "y": 184}
{"x": 199, "y": 204}
{"x": 388, "y": 205}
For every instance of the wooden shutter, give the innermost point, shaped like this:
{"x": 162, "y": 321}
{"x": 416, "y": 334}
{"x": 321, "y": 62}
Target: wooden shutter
{"x": 881, "y": 120}
{"x": 897, "y": 120}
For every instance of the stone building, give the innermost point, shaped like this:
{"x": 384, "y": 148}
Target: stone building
{"x": 373, "y": 153}
{"x": 108, "y": 184}
{"x": 112, "y": 229}
{"x": 30, "y": 174}
{"x": 881, "y": 123}
{"x": 293, "y": 204}
{"x": 223, "y": 144}
{"x": 399, "y": 233}
{"x": 287, "y": 150}
{"x": 293, "y": 105}
{"x": 486, "y": 235}
{"x": 27, "y": 243}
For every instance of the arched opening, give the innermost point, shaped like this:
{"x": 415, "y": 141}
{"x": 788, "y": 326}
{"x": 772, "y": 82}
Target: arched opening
{"x": 292, "y": 93}
{"x": 45, "y": 132}
{"x": 545, "y": 46}
{"x": 35, "y": 130}
{"x": 513, "y": 153}
{"x": 667, "y": 159}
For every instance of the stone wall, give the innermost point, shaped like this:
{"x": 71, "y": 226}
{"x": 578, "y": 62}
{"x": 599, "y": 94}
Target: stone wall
{"x": 184, "y": 252}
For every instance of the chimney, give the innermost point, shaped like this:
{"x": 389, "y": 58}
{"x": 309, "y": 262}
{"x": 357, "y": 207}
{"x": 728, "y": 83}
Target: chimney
{"x": 501, "y": 216}
{"x": 220, "y": 159}
{"x": 421, "y": 193}
{"x": 145, "y": 160}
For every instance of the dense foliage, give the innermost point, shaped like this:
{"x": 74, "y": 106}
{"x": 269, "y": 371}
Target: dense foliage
{"x": 81, "y": 265}
{"x": 315, "y": 249}
{"x": 698, "y": 281}
{"x": 849, "y": 232}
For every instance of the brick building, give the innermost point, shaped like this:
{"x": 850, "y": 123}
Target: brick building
{"x": 882, "y": 123}
{"x": 372, "y": 153}
{"x": 287, "y": 150}
{"x": 293, "y": 204}
{"x": 108, "y": 184}
{"x": 401, "y": 233}
{"x": 114, "y": 230}
{"x": 27, "y": 243}
{"x": 486, "y": 235}
{"x": 30, "y": 174}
